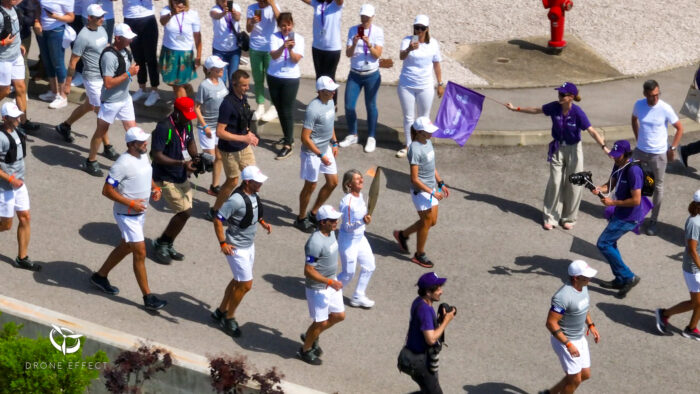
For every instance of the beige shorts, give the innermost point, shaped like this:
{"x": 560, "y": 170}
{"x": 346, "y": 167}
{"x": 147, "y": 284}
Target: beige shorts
{"x": 178, "y": 196}
{"x": 235, "y": 162}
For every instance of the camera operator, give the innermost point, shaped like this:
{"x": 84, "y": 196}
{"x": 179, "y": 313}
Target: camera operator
{"x": 423, "y": 341}
{"x": 172, "y": 151}
{"x": 625, "y": 184}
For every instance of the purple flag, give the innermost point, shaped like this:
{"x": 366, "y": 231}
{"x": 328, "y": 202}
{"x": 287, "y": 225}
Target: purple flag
{"x": 459, "y": 113}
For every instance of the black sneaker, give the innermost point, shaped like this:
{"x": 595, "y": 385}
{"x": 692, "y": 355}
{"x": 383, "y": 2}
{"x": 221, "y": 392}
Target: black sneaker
{"x": 217, "y": 315}
{"x": 214, "y": 190}
{"x": 684, "y": 156}
{"x": 64, "y": 130}
{"x": 28, "y": 126}
{"x": 110, "y": 153}
{"x": 627, "y": 287}
{"x": 308, "y": 357}
{"x": 174, "y": 254}
{"x": 312, "y": 218}
{"x": 661, "y": 321}
{"x": 304, "y": 225}
{"x": 102, "y": 283}
{"x": 93, "y": 168}
{"x": 610, "y": 284}
{"x": 284, "y": 153}
{"x": 153, "y": 303}
{"x": 317, "y": 349}
{"x": 401, "y": 240}
{"x": 161, "y": 254}
{"x": 422, "y": 260}
{"x": 692, "y": 334}
{"x": 210, "y": 214}
{"x": 280, "y": 142}
{"x": 230, "y": 327}
{"x": 652, "y": 229}
{"x": 26, "y": 264}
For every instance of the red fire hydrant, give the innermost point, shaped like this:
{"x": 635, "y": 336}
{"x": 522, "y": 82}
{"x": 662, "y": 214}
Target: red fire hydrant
{"x": 556, "y": 15}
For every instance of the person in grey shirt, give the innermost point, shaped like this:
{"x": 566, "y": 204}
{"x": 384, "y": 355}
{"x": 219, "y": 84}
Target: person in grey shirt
{"x": 427, "y": 188}
{"x": 691, "y": 273}
{"x": 240, "y": 212}
{"x": 318, "y": 151}
{"x": 567, "y": 321}
{"x": 324, "y": 294}
{"x": 115, "y": 98}
{"x": 14, "y": 197}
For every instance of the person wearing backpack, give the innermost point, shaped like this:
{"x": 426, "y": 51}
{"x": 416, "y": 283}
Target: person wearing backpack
{"x": 623, "y": 191}
{"x": 241, "y": 212}
{"x": 116, "y": 68}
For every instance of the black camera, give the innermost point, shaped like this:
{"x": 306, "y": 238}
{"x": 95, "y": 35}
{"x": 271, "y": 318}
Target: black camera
{"x": 583, "y": 178}
{"x": 204, "y": 162}
{"x": 444, "y": 309}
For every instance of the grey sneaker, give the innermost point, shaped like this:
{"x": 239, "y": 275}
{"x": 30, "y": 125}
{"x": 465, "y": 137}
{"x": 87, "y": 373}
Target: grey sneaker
{"x": 230, "y": 327}
{"x": 103, "y": 284}
{"x": 218, "y": 315}
{"x": 174, "y": 254}
{"x": 652, "y": 229}
{"x": 309, "y": 356}
{"x": 317, "y": 349}
{"x": 161, "y": 254}
{"x": 64, "y": 130}
{"x": 627, "y": 287}
{"x": 27, "y": 264}
{"x": 304, "y": 225}
{"x": 153, "y": 303}
{"x": 110, "y": 153}
{"x": 93, "y": 168}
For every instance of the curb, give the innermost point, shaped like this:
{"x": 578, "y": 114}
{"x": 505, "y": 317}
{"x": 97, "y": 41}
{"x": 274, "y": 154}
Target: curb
{"x": 189, "y": 373}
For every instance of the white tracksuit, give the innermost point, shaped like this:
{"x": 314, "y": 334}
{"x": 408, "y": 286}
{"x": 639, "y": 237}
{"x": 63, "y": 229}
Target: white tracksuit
{"x": 352, "y": 243}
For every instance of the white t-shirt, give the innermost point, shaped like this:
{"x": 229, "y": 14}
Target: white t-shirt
{"x": 260, "y": 36}
{"x": 225, "y": 30}
{"x": 327, "y": 17}
{"x": 138, "y": 8}
{"x": 58, "y": 7}
{"x": 653, "y": 125}
{"x": 353, "y": 210}
{"x": 132, "y": 178}
{"x": 281, "y": 67}
{"x": 177, "y": 33}
{"x": 417, "y": 71}
{"x": 107, "y": 5}
{"x": 361, "y": 59}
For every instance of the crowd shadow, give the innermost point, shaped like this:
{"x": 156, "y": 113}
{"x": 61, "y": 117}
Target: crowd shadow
{"x": 629, "y": 316}
{"x": 101, "y": 233}
{"x": 538, "y": 265}
{"x": 506, "y": 206}
{"x": 53, "y": 155}
{"x": 493, "y": 388}
{"x": 291, "y": 286}
{"x": 275, "y": 212}
{"x": 259, "y": 338}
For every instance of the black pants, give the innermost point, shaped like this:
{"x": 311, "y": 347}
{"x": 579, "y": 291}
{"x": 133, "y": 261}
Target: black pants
{"x": 429, "y": 382}
{"x": 283, "y": 93}
{"x": 145, "y": 48}
{"x": 326, "y": 63}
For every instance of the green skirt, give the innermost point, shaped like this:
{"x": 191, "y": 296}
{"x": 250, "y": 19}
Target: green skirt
{"x": 177, "y": 67}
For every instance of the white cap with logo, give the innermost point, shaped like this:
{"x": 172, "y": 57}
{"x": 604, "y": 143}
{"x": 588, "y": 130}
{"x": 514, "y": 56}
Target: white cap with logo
{"x": 136, "y": 134}
{"x": 10, "y": 109}
{"x": 123, "y": 30}
{"x": 422, "y": 20}
{"x": 581, "y": 268}
{"x": 214, "y": 61}
{"x": 423, "y": 123}
{"x": 96, "y": 10}
{"x": 367, "y": 10}
{"x": 326, "y": 83}
{"x": 253, "y": 173}
{"x": 327, "y": 212}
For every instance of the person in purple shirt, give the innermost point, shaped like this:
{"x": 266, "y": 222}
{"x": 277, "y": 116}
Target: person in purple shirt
{"x": 624, "y": 192}
{"x": 562, "y": 198}
{"x": 424, "y": 332}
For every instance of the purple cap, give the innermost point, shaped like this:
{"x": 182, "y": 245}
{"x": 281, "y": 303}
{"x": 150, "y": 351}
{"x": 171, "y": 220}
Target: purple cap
{"x": 429, "y": 280}
{"x": 620, "y": 148}
{"x": 567, "y": 88}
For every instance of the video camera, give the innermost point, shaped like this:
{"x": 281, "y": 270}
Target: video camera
{"x": 583, "y": 178}
{"x": 203, "y": 162}
{"x": 434, "y": 351}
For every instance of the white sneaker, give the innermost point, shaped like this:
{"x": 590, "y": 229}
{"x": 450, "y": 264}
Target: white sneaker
{"x": 348, "y": 140}
{"x": 244, "y": 61}
{"x": 258, "y": 114}
{"x": 370, "y": 145}
{"x": 270, "y": 114}
{"x": 138, "y": 95}
{"x": 59, "y": 102}
{"x": 77, "y": 80}
{"x": 361, "y": 301}
{"x": 48, "y": 96}
{"x": 153, "y": 98}
{"x": 401, "y": 152}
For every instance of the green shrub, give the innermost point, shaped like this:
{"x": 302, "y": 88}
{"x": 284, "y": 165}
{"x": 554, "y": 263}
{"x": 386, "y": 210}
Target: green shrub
{"x": 35, "y": 366}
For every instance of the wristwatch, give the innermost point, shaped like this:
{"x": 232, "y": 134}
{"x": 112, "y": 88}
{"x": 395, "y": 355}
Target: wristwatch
{"x": 672, "y": 147}
{"x": 441, "y": 84}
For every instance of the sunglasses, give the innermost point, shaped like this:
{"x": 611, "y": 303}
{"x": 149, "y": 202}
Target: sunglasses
{"x": 564, "y": 94}
{"x": 420, "y": 27}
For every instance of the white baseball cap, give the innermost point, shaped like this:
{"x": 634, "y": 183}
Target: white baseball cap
{"x": 326, "y": 83}
{"x": 10, "y": 109}
{"x": 123, "y": 30}
{"x": 696, "y": 196}
{"x": 581, "y": 268}
{"x": 136, "y": 134}
{"x": 236, "y": 7}
{"x": 214, "y": 61}
{"x": 423, "y": 123}
{"x": 95, "y": 10}
{"x": 327, "y": 212}
{"x": 253, "y": 173}
{"x": 367, "y": 10}
{"x": 422, "y": 20}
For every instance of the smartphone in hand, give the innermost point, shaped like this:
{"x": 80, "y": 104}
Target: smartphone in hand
{"x": 361, "y": 31}
{"x": 414, "y": 39}
{"x": 229, "y": 5}
{"x": 258, "y": 13}
{"x": 290, "y": 37}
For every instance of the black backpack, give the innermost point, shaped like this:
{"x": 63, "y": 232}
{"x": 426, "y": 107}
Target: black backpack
{"x": 248, "y": 217}
{"x": 649, "y": 184}
{"x": 121, "y": 67}
{"x": 11, "y": 155}
{"x": 7, "y": 23}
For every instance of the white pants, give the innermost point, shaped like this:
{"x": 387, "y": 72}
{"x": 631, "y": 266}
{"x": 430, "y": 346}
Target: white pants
{"x": 572, "y": 365}
{"x": 12, "y": 201}
{"x": 414, "y": 103}
{"x": 353, "y": 249}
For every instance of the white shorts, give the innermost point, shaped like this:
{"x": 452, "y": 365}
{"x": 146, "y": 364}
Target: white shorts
{"x": 205, "y": 142}
{"x": 123, "y": 110}
{"x": 311, "y": 165}
{"x": 93, "y": 90}
{"x": 241, "y": 263}
{"x": 131, "y": 227}
{"x": 423, "y": 201}
{"x": 14, "y": 200}
{"x": 321, "y": 302}
{"x": 692, "y": 281}
{"x": 572, "y": 365}
{"x": 10, "y": 71}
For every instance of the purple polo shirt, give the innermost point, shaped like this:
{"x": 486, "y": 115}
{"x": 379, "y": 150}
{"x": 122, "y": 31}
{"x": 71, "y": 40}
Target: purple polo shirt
{"x": 566, "y": 128}
{"x": 631, "y": 178}
{"x": 423, "y": 318}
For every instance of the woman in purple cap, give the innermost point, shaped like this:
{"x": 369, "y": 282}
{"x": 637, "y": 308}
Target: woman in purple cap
{"x": 561, "y": 198}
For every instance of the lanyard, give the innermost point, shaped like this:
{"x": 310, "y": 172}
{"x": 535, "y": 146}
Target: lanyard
{"x": 229, "y": 21}
{"x": 180, "y": 21}
{"x": 181, "y": 136}
{"x": 286, "y": 50}
{"x": 369, "y": 34}
{"x": 323, "y": 14}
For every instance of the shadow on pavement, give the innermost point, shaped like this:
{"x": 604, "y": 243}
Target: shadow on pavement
{"x": 199, "y": 207}
{"x": 493, "y": 388}
{"x": 530, "y": 46}
{"x": 258, "y": 338}
{"x": 385, "y": 246}
{"x": 184, "y": 306}
{"x": 585, "y": 248}
{"x": 597, "y": 210}
{"x": 292, "y": 286}
{"x": 508, "y": 206}
{"x": 101, "y": 233}
{"x": 638, "y": 318}
{"x": 275, "y": 211}
{"x": 53, "y": 155}
{"x": 396, "y": 180}
{"x": 678, "y": 169}
{"x": 539, "y": 265}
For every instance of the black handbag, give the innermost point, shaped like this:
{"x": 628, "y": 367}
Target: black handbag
{"x": 243, "y": 41}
